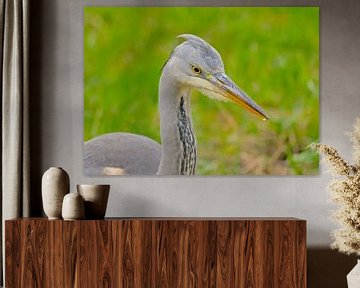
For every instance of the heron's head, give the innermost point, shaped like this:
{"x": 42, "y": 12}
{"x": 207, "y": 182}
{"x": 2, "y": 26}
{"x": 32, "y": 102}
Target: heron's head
{"x": 196, "y": 64}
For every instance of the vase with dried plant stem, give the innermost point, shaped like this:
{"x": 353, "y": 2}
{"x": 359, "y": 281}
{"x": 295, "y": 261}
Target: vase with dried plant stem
{"x": 345, "y": 192}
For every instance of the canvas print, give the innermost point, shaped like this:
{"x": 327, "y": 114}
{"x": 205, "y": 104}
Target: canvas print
{"x": 201, "y": 90}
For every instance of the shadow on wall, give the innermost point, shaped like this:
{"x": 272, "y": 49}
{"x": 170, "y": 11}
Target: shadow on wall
{"x": 35, "y": 104}
{"x": 137, "y": 206}
{"x": 328, "y": 268}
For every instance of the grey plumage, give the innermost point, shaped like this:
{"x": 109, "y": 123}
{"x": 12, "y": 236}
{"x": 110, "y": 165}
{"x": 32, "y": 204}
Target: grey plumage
{"x": 187, "y": 139}
{"x": 123, "y": 153}
{"x": 203, "y": 51}
{"x": 192, "y": 64}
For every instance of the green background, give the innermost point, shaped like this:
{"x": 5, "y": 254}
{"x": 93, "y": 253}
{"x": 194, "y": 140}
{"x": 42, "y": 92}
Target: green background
{"x": 272, "y": 53}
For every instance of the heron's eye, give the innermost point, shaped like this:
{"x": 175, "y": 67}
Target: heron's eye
{"x": 196, "y": 69}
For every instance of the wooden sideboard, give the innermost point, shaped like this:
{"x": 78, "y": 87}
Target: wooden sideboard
{"x": 156, "y": 252}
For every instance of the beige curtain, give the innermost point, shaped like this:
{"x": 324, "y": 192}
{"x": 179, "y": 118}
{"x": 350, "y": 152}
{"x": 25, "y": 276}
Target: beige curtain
{"x": 14, "y": 28}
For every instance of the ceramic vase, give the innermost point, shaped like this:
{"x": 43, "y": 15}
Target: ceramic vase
{"x": 55, "y": 185}
{"x": 73, "y": 207}
{"x": 96, "y": 198}
{"x": 353, "y": 278}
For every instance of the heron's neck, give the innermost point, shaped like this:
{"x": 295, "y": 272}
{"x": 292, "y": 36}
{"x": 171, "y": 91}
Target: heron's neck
{"x": 177, "y": 136}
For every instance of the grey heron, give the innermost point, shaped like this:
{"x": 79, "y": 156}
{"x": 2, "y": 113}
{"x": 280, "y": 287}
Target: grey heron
{"x": 193, "y": 64}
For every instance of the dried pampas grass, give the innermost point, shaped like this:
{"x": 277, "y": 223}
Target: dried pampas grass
{"x": 345, "y": 191}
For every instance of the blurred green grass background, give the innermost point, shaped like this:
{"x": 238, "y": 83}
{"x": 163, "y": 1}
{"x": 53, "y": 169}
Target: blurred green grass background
{"x": 272, "y": 53}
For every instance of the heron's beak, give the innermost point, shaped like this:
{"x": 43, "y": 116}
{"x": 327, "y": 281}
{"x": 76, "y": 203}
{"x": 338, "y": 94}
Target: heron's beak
{"x": 228, "y": 89}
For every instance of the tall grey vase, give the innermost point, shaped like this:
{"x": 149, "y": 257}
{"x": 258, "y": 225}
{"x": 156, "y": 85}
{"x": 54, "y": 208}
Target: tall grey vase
{"x": 55, "y": 185}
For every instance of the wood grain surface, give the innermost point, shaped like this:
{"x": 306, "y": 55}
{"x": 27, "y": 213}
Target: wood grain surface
{"x": 233, "y": 252}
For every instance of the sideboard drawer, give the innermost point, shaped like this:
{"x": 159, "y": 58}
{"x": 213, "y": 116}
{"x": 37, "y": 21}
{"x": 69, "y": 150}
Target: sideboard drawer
{"x": 156, "y": 252}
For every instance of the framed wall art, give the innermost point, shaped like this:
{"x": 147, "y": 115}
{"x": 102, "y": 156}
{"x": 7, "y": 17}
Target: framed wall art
{"x": 201, "y": 90}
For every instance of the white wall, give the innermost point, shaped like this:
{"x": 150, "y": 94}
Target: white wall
{"x": 57, "y": 123}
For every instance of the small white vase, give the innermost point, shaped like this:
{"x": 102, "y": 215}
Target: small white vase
{"x": 96, "y": 198}
{"x": 55, "y": 185}
{"x": 353, "y": 278}
{"x": 73, "y": 207}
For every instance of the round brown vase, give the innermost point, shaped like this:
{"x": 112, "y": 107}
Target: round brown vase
{"x": 55, "y": 185}
{"x": 73, "y": 207}
{"x": 96, "y": 198}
